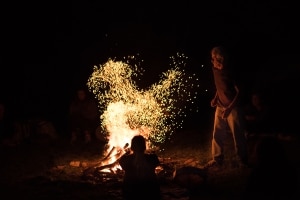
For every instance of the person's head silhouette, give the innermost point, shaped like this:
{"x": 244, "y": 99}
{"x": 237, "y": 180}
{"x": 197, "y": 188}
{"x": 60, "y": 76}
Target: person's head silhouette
{"x": 138, "y": 144}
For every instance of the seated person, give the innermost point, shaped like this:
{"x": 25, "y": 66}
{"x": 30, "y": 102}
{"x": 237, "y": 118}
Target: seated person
{"x": 84, "y": 116}
{"x": 257, "y": 115}
{"x": 140, "y": 180}
{"x": 6, "y": 125}
{"x": 273, "y": 175}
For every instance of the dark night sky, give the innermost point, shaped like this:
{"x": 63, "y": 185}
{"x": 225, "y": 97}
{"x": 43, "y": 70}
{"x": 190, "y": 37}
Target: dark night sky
{"x": 48, "y": 49}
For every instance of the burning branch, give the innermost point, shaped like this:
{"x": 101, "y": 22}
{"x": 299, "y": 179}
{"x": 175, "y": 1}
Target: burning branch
{"x": 99, "y": 167}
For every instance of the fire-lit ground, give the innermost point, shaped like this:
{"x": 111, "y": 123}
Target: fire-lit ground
{"x": 59, "y": 170}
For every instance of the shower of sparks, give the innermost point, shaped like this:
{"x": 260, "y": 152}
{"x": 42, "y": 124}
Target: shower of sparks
{"x": 128, "y": 110}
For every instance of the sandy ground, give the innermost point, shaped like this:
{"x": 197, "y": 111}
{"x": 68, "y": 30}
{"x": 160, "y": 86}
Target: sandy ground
{"x": 58, "y": 170}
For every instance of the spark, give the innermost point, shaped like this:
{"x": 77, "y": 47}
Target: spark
{"x": 129, "y": 110}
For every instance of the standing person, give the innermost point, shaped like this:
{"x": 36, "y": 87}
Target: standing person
{"x": 84, "y": 116}
{"x": 140, "y": 180}
{"x": 228, "y": 113}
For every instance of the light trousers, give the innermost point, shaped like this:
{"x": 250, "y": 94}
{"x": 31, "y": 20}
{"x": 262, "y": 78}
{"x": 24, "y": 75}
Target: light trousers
{"x": 236, "y": 124}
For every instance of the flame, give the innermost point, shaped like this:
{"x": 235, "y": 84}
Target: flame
{"x": 129, "y": 110}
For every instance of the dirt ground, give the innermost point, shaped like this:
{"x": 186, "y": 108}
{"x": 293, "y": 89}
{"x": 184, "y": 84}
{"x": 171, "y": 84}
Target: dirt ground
{"x": 56, "y": 169}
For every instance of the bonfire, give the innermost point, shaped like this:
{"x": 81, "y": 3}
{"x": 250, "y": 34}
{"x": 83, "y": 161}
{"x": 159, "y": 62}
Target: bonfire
{"x": 128, "y": 110}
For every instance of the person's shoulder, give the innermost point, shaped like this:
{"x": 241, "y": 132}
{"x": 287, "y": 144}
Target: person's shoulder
{"x": 152, "y": 156}
{"x": 125, "y": 158}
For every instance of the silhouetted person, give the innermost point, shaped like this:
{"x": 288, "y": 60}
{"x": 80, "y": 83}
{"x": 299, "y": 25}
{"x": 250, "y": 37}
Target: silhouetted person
{"x": 84, "y": 116}
{"x": 228, "y": 112}
{"x": 6, "y": 126}
{"x": 257, "y": 115}
{"x": 2, "y": 122}
{"x": 273, "y": 176}
{"x": 140, "y": 180}
{"x": 3, "y": 125}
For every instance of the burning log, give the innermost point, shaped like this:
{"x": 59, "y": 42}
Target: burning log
{"x": 99, "y": 167}
{"x": 109, "y": 166}
{"x": 117, "y": 156}
{"x": 109, "y": 153}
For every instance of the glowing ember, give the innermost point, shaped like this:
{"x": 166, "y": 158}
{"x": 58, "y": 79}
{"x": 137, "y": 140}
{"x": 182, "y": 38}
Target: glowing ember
{"x": 129, "y": 110}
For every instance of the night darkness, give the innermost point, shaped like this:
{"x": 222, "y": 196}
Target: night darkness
{"x": 49, "y": 49}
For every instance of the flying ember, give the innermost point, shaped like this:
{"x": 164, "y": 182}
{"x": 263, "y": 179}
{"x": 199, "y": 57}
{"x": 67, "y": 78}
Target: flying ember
{"x": 128, "y": 110}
